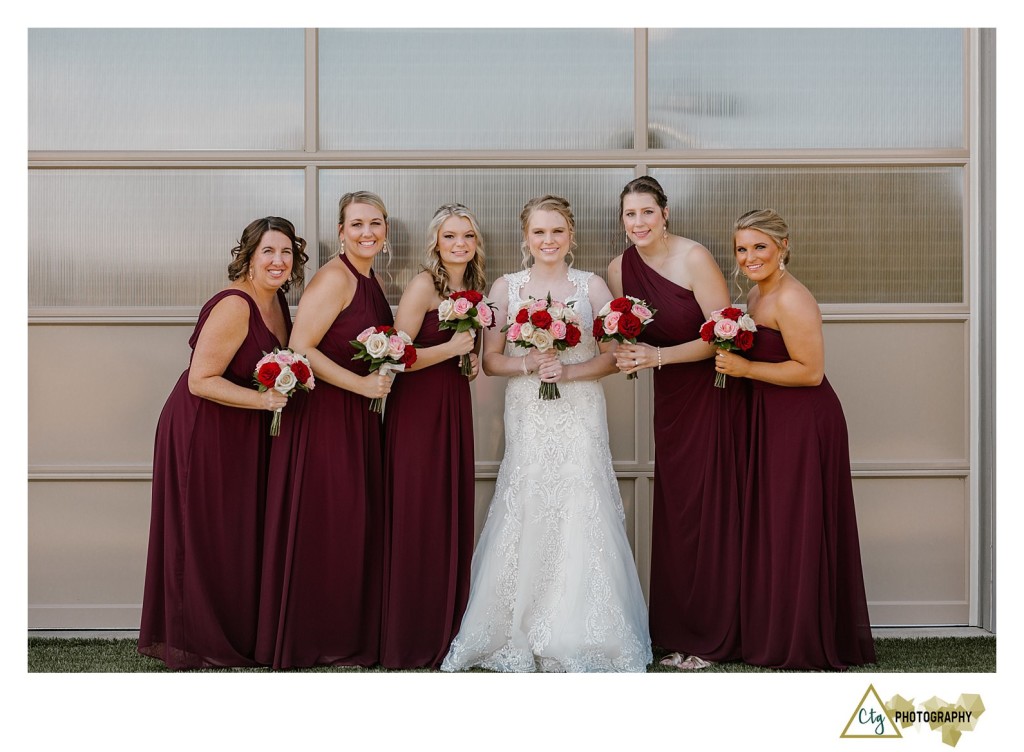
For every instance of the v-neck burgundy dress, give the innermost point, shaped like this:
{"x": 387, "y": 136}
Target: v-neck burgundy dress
{"x": 321, "y": 594}
{"x": 699, "y": 439}
{"x": 802, "y": 596}
{"x": 199, "y": 607}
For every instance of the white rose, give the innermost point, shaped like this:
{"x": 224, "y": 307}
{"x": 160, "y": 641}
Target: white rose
{"x": 747, "y": 324}
{"x": 377, "y": 345}
{"x": 286, "y": 381}
{"x": 405, "y": 337}
{"x": 542, "y": 339}
{"x": 526, "y": 330}
{"x": 444, "y": 311}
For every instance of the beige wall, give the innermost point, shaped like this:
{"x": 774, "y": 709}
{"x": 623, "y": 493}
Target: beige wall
{"x": 90, "y": 453}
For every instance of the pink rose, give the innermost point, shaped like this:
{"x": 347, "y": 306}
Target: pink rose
{"x": 557, "y": 329}
{"x": 641, "y": 312}
{"x": 513, "y": 332}
{"x": 717, "y": 315}
{"x": 538, "y": 305}
{"x": 611, "y": 322}
{"x": 484, "y": 313}
{"x": 363, "y": 335}
{"x": 461, "y": 307}
{"x": 396, "y": 346}
{"x": 726, "y": 328}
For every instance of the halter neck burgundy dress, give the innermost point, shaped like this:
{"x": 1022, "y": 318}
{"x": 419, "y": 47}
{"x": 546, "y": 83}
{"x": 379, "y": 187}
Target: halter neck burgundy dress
{"x": 699, "y": 438}
{"x": 802, "y": 596}
{"x": 199, "y": 607}
{"x": 321, "y": 595}
{"x": 430, "y": 492}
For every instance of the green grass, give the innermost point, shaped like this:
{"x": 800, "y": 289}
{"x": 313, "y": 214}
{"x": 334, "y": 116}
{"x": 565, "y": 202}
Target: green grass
{"x": 895, "y": 655}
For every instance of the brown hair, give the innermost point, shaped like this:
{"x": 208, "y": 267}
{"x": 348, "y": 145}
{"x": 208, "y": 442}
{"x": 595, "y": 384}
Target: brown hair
{"x": 250, "y": 241}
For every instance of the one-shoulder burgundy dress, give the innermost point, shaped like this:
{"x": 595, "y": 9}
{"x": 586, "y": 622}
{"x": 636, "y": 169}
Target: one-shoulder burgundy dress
{"x": 699, "y": 439}
{"x": 802, "y": 596}
{"x": 429, "y": 497}
{"x": 321, "y": 595}
{"x": 199, "y": 607}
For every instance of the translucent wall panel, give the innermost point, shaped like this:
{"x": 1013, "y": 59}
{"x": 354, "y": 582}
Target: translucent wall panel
{"x": 806, "y": 88}
{"x": 495, "y": 195}
{"x": 110, "y": 238}
{"x": 476, "y": 89}
{"x": 857, "y": 234}
{"x": 154, "y": 89}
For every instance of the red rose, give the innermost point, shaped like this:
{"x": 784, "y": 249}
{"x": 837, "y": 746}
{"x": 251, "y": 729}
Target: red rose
{"x": 732, "y": 313}
{"x": 629, "y": 325}
{"x": 409, "y": 356}
{"x": 572, "y": 334}
{"x": 744, "y": 340}
{"x": 621, "y": 305}
{"x": 268, "y": 374}
{"x": 301, "y": 371}
{"x": 523, "y": 316}
{"x": 541, "y": 319}
{"x": 598, "y": 329}
{"x": 707, "y": 332}
{"x": 472, "y": 296}
{"x": 384, "y": 328}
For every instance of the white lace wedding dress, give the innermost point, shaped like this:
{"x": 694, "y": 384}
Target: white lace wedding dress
{"x": 553, "y": 584}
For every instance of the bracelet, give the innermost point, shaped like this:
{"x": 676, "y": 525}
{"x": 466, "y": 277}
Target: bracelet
{"x": 659, "y": 358}
{"x": 525, "y": 372}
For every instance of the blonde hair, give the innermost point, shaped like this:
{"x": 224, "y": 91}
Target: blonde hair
{"x": 771, "y": 224}
{"x": 548, "y": 202}
{"x": 474, "y": 276}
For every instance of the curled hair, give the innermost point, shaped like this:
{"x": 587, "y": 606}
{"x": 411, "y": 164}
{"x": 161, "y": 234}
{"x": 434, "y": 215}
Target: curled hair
{"x": 252, "y": 235}
{"x": 644, "y": 184}
{"x": 473, "y": 278}
{"x": 547, "y": 202}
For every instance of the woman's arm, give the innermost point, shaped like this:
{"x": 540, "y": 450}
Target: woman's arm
{"x": 223, "y": 333}
{"x": 601, "y": 364}
{"x": 495, "y": 362}
{"x": 328, "y": 294}
{"x": 416, "y": 301}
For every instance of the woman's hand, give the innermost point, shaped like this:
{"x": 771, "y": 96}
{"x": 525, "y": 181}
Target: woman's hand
{"x": 474, "y": 365}
{"x": 632, "y": 358}
{"x": 549, "y": 367}
{"x": 535, "y": 358}
{"x": 375, "y": 385}
{"x": 732, "y": 364}
{"x": 272, "y": 400}
{"x": 462, "y": 343}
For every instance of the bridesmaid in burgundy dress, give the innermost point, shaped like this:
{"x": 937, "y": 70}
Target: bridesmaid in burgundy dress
{"x": 428, "y": 457}
{"x": 199, "y": 607}
{"x": 698, "y": 433}
{"x": 802, "y": 600}
{"x": 321, "y": 593}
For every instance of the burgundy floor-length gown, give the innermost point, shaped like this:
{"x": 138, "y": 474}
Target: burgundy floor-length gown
{"x": 802, "y": 597}
{"x": 429, "y": 497}
{"x": 699, "y": 434}
{"x": 199, "y": 608}
{"x": 321, "y": 594}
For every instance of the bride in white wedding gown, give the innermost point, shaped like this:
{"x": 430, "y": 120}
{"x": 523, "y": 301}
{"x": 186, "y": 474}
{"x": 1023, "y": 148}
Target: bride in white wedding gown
{"x": 553, "y": 584}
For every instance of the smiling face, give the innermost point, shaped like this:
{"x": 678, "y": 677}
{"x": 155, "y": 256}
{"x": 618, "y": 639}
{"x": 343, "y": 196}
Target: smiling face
{"x": 757, "y": 254}
{"x": 456, "y": 241}
{"x": 548, "y": 236}
{"x": 644, "y": 220}
{"x": 271, "y": 261}
{"x": 363, "y": 230}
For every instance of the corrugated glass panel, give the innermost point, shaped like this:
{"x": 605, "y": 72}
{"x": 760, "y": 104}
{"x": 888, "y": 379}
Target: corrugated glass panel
{"x": 806, "y": 88}
{"x": 476, "y": 89}
{"x": 495, "y": 195}
{"x": 112, "y": 238}
{"x": 156, "y": 89}
{"x": 857, "y": 234}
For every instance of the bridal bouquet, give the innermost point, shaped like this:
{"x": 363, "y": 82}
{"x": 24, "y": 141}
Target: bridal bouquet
{"x": 387, "y": 350}
{"x": 728, "y": 329}
{"x": 621, "y": 320}
{"x": 544, "y": 323}
{"x": 464, "y": 311}
{"x": 284, "y": 371}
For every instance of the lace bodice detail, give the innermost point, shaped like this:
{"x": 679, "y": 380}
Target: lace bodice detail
{"x": 580, "y": 300}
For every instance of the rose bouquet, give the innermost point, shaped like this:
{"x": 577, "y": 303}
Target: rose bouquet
{"x": 465, "y": 311}
{"x": 728, "y": 329}
{"x": 387, "y": 350}
{"x": 544, "y": 323}
{"x": 284, "y": 371}
{"x": 621, "y": 320}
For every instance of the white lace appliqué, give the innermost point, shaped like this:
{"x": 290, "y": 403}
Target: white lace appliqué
{"x": 554, "y": 586}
